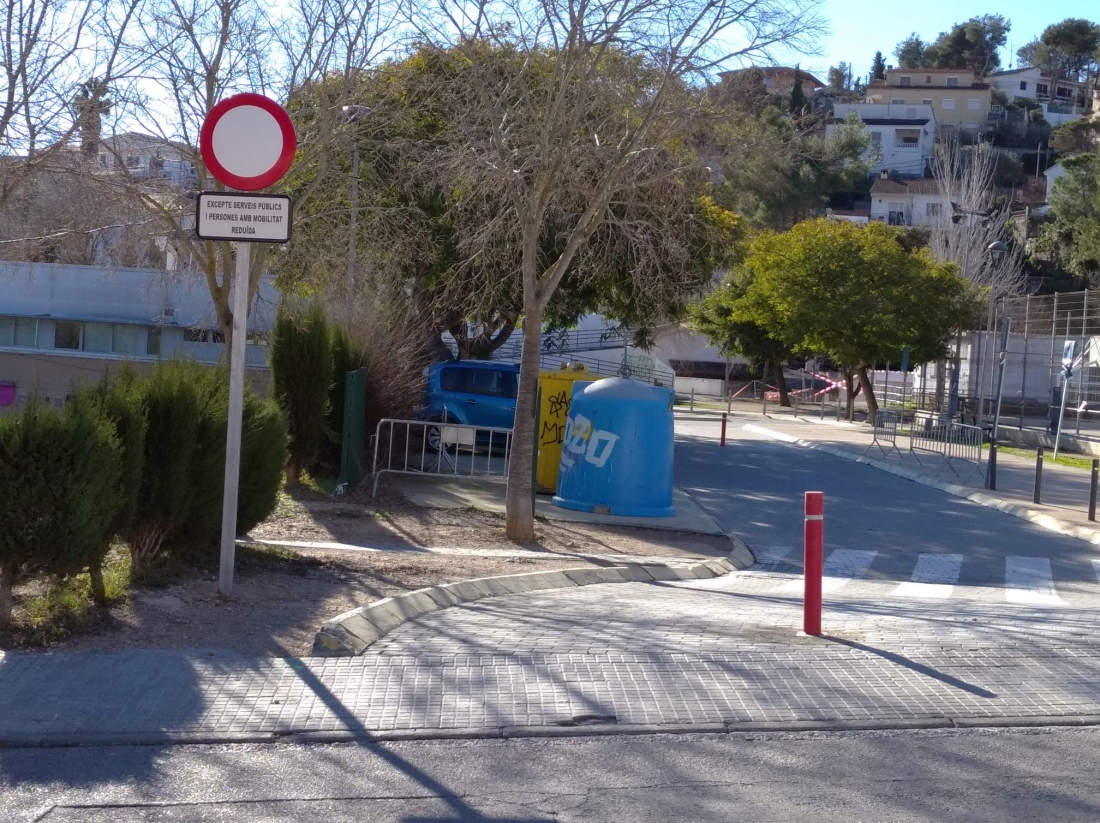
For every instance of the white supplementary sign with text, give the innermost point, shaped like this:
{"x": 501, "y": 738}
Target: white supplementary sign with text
{"x": 250, "y": 217}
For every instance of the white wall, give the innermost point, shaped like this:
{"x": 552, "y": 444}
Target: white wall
{"x": 702, "y": 386}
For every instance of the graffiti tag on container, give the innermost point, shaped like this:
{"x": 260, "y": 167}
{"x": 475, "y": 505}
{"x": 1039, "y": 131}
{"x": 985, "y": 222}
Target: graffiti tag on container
{"x": 582, "y": 440}
{"x": 559, "y": 405}
{"x": 551, "y": 433}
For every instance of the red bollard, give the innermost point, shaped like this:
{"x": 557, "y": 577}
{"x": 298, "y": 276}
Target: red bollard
{"x": 813, "y": 562}
{"x": 722, "y": 442}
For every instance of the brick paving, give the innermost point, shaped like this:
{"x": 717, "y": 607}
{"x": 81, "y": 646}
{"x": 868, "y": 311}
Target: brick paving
{"x": 718, "y": 651}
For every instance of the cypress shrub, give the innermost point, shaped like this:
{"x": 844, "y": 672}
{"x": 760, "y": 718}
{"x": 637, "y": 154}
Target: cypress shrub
{"x": 171, "y": 403}
{"x": 263, "y": 460}
{"x": 301, "y": 377}
{"x": 120, "y": 401}
{"x": 60, "y": 488}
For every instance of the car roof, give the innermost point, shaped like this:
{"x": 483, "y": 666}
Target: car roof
{"x": 466, "y": 364}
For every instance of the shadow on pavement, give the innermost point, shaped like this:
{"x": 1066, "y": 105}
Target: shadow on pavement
{"x": 912, "y": 665}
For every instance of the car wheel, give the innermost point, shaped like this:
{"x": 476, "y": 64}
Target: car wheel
{"x": 434, "y": 433}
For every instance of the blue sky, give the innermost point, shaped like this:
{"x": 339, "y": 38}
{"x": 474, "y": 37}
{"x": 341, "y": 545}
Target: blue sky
{"x": 858, "y": 29}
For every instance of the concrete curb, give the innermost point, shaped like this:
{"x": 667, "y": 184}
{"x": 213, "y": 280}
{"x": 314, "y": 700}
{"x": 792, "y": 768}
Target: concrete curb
{"x": 1039, "y": 518}
{"x": 351, "y": 633}
{"x": 735, "y": 727}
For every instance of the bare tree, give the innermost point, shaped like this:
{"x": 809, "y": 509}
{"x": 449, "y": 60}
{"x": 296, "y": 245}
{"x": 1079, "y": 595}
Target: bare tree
{"x": 964, "y": 233}
{"x": 199, "y": 51}
{"x": 48, "y": 48}
{"x": 571, "y": 107}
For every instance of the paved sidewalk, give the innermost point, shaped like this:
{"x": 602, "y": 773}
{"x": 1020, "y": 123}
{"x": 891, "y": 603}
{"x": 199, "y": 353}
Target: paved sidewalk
{"x": 714, "y": 654}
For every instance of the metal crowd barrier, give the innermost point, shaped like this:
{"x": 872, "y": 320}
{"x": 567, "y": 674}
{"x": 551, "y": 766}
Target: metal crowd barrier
{"x": 885, "y": 432}
{"x": 948, "y": 440}
{"x": 443, "y": 449}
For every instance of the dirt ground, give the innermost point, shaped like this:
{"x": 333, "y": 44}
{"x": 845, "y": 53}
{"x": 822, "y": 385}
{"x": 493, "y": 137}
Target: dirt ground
{"x": 282, "y": 597}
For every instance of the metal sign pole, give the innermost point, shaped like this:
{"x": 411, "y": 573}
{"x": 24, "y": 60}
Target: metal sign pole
{"x": 1061, "y": 416}
{"x": 236, "y": 413}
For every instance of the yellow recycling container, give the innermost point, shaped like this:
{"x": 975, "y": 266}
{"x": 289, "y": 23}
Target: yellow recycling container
{"x": 557, "y": 391}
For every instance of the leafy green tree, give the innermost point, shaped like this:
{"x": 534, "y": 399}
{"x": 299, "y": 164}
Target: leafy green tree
{"x": 1071, "y": 236}
{"x": 1077, "y": 137}
{"x": 973, "y": 44}
{"x": 777, "y": 171}
{"x": 853, "y": 292}
{"x": 910, "y": 53}
{"x": 720, "y": 318}
{"x": 1068, "y": 49}
{"x": 301, "y": 378}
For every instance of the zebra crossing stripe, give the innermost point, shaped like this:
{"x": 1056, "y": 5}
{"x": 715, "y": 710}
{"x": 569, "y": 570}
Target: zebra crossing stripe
{"x": 934, "y": 576}
{"x": 772, "y": 555}
{"x": 841, "y": 567}
{"x": 1029, "y": 580}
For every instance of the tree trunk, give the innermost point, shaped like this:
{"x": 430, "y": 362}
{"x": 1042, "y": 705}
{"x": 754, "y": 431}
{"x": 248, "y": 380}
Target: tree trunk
{"x": 520, "y": 517}
{"x": 95, "y": 576}
{"x": 781, "y": 384}
{"x": 868, "y": 393}
{"x": 7, "y": 580}
{"x": 849, "y": 391}
{"x": 293, "y": 474}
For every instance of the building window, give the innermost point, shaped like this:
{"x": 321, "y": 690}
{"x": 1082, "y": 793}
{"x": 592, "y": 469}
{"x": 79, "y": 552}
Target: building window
{"x": 876, "y": 138}
{"x": 26, "y": 332}
{"x": 66, "y": 335}
{"x": 906, "y": 138}
{"x": 907, "y": 81}
{"x": 97, "y": 337}
{"x": 974, "y": 105}
{"x": 1023, "y": 85}
{"x": 7, "y": 331}
{"x": 127, "y": 339}
{"x": 952, "y": 81}
{"x": 948, "y": 104}
{"x": 926, "y": 102}
{"x": 933, "y": 209}
{"x": 898, "y": 101}
{"x": 928, "y": 80}
{"x": 1042, "y": 89}
{"x": 152, "y": 344}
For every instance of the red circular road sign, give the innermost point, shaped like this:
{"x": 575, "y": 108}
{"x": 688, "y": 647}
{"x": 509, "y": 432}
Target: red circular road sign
{"x": 247, "y": 142}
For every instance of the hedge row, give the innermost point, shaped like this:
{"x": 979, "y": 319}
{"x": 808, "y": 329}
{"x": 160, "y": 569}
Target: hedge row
{"x": 137, "y": 459}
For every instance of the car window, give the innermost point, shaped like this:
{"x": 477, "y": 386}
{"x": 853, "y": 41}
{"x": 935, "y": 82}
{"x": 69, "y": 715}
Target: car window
{"x": 511, "y": 381}
{"x": 485, "y": 381}
{"x": 452, "y": 379}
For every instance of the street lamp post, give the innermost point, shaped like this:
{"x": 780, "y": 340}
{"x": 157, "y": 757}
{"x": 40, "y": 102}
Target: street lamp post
{"x": 997, "y": 251}
{"x": 352, "y": 115}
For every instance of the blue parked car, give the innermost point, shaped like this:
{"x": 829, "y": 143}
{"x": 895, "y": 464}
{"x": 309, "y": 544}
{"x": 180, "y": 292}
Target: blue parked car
{"x": 473, "y": 392}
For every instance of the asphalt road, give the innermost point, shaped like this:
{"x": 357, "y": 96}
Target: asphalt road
{"x": 950, "y": 775}
{"x": 755, "y": 487}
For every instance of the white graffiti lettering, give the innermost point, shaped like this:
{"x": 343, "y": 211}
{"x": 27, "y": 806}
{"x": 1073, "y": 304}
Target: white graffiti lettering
{"x": 582, "y": 439}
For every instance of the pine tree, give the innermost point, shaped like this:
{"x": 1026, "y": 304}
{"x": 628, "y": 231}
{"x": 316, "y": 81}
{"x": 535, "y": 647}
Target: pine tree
{"x": 878, "y": 70}
{"x": 798, "y": 97}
